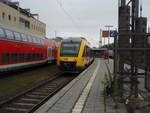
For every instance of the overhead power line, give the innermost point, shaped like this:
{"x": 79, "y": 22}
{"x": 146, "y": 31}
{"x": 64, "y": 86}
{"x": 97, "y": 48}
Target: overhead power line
{"x": 68, "y": 15}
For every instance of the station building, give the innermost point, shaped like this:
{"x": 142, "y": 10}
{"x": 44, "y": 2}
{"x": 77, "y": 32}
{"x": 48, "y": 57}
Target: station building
{"x": 11, "y": 14}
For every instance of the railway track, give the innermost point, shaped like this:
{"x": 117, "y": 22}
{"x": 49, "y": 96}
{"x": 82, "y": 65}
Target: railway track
{"x": 30, "y": 100}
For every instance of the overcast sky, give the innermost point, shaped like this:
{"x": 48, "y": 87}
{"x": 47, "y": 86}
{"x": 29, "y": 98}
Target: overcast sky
{"x": 82, "y": 17}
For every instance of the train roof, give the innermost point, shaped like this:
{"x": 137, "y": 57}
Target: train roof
{"x": 20, "y": 31}
{"x": 73, "y": 39}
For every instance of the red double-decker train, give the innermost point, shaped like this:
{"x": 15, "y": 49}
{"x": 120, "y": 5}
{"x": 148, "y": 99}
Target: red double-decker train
{"x": 20, "y": 49}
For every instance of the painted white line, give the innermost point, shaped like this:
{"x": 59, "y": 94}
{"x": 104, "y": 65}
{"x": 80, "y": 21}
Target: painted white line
{"x": 82, "y": 99}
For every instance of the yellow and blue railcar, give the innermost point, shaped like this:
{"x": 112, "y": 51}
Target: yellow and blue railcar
{"x": 74, "y": 55}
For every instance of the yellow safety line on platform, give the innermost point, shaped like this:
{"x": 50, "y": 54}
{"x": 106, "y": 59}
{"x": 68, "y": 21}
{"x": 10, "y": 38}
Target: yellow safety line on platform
{"x": 81, "y": 101}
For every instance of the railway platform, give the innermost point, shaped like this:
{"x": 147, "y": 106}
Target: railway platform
{"x": 84, "y": 94}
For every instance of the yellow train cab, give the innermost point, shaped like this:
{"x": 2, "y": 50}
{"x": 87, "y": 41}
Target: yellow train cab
{"x": 74, "y": 54}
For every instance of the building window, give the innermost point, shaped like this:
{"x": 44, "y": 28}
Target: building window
{"x": 9, "y": 17}
{"x": 3, "y": 15}
{"x": 24, "y": 23}
{"x": 15, "y": 19}
{"x": 32, "y": 26}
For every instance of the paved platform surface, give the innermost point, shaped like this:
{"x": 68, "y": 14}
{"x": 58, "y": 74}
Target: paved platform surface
{"x": 83, "y": 95}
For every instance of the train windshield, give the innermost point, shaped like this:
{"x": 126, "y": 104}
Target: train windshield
{"x": 69, "y": 49}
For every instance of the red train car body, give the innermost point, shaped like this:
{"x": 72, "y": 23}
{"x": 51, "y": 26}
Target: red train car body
{"x": 20, "y": 49}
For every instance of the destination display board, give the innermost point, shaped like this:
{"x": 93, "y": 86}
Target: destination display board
{"x": 105, "y": 34}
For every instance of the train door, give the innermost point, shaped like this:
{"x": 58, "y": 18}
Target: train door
{"x": 49, "y": 53}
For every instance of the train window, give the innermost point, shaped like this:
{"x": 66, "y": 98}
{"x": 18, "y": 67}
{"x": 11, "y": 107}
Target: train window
{"x": 14, "y": 57}
{"x": 38, "y": 40}
{"x": 87, "y": 51}
{"x": 9, "y": 34}
{"x": 34, "y": 40}
{"x": 22, "y": 57}
{"x": 24, "y": 37}
{"x": 84, "y": 52}
{"x": 2, "y": 34}
{"x": 5, "y": 58}
{"x": 36, "y": 56}
{"x": 33, "y": 56}
{"x": 42, "y": 42}
{"x": 69, "y": 49}
{"x": 19, "y": 56}
{"x": 28, "y": 57}
{"x": 49, "y": 52}
{"x": 25, "y": 56}
{"x": 30, "y": 39}
{"x": 17, "y": 36}
{"x": 41, "y": 55}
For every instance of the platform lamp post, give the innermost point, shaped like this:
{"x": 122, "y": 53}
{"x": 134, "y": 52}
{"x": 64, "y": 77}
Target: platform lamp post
{"x": 55, "y": 33}
{"x": 100, "y": 40}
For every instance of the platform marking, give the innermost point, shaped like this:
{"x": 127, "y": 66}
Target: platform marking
{"x": 82, "y": 99}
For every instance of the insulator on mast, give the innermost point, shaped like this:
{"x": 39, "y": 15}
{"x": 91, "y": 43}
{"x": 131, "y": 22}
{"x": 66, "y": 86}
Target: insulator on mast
{"x": 141, "y": 9}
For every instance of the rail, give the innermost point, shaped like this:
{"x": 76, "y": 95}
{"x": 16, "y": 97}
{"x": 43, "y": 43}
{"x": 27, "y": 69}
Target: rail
{"x": 31, "y": 99}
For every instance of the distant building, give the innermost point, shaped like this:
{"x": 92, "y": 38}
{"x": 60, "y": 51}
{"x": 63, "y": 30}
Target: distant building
{"x": 11, "y": 14}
